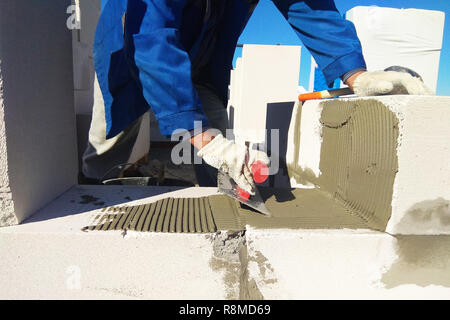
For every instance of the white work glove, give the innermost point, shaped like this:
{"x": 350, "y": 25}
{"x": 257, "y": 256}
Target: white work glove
{"x": 234, "y": 160}
{"x": 388, "y": 82}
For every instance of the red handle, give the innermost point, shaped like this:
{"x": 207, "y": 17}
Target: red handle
{"x": 260, "y": 172}
{"x": 242, "y": 194}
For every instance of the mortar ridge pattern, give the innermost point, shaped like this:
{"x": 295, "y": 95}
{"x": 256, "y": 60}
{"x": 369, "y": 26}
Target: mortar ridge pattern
{"x": 172, "y": 215}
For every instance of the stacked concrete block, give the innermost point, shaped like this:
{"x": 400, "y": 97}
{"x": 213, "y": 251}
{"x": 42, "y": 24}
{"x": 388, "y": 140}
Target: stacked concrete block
{"x": 153, "y": 266}
{"x": 348, "y": 264}
{"x": 52, "y": 258}
{"x": 384, "y": 158}
{"x": 86, "y": 89}
{"x": 83, "y": 38}
{"x": 407, "y": 37}
{"x": 37, "y": 124}
{"x": 265, "y": 74}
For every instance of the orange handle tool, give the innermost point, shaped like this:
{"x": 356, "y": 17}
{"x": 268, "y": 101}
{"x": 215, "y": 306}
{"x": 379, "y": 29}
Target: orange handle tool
{"x": 325, "y": 94}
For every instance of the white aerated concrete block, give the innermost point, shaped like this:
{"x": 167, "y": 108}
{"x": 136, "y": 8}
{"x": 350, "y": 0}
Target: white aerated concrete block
{"x": 38, "y": 152}
{"x": 49, "y": 257}
{"x": 83, "y": 67}
{"x": 410, "y": 38}
{"x": 348, "y": 264}
{"x": 421, "y": 199}
{"x": 421, "y": 188}
{"x": 265, "y": 74}
{"x": 155, "y": 266}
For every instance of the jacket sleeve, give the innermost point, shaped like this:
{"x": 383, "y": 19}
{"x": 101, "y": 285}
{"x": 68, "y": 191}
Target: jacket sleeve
{"x": 161, "y": 65}
{"x": 331, "y": 40}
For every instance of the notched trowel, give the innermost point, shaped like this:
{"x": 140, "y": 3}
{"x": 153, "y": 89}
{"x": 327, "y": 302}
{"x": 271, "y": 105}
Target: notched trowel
{"x": 227, "y": 186}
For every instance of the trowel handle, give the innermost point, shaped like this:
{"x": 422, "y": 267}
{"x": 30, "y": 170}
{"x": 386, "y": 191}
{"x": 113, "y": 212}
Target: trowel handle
{"x": 260, "y": 172}
{"x": 242, "y": 194}
{"x": 325, "y": 94}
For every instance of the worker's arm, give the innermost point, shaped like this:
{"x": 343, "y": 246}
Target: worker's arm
{"x": 330, "y": 39}
{"x": 163, "y": 67}
{"x": 334, "y": 44}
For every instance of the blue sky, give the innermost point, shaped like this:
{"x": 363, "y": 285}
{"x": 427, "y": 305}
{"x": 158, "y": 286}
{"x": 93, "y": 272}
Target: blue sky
{"x": 278, "y": 31}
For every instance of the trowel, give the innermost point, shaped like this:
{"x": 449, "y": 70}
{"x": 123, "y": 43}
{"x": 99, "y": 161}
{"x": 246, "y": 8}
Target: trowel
{"x": 227, "y": 186}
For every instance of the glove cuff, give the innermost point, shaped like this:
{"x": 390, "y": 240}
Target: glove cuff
{"x": 218, "y": 140}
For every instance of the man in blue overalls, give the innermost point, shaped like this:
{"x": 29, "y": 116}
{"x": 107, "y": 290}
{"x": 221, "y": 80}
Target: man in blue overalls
{"x": 175, "y": 57}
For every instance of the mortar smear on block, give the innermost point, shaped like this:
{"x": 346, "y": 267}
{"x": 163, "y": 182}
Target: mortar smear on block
{"x": 358, "y": 158}
{"x": 292, "y": 209}
{"x": 180, "y": 215}
{"x": 173, "y": 215}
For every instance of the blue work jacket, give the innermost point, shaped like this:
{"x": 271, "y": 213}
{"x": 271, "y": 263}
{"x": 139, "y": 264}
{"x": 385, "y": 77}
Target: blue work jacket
{"x": 148, "y": 53}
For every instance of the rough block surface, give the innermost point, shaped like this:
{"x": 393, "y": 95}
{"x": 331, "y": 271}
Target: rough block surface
{"x": 38, "y": 152}
{"x": 50, "y": 257}
{"x": 348, "y": 264}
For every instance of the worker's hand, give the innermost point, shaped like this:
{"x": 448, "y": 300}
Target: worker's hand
{"x": 234, "y": 160}
{"x": 386, "y": 82}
